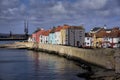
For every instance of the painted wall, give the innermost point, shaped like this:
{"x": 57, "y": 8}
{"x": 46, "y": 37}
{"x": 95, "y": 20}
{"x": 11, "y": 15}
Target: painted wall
{"x": 58, "y": 37}
{"x": 88, "y": 41}
{"x": 52, "y": 38}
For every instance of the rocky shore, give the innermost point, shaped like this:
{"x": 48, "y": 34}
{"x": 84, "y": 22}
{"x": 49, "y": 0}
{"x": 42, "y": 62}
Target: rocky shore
{"x": 92, "y": 74}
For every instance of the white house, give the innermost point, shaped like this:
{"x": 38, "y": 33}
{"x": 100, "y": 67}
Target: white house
{"x": 88, "y": 40}
{"x": 58, "y": 35}
{"x": 44, "y": 37}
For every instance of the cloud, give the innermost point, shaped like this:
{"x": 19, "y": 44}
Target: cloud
{"x": 58, "y": 8}
{"x": 91, "y": 4}
{"x": 53, "y": 12}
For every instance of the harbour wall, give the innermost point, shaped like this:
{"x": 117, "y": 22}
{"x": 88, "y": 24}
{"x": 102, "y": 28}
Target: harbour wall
{"x": 100, "y": 57}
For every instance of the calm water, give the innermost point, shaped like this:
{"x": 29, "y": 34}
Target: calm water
{"x": 29, "y": 65}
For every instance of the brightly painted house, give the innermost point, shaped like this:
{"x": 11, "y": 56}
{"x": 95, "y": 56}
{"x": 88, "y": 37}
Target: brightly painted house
{"x": 34, "y": 37}
{"x": 52, "y": 36}
{"x": 64, "y": 36}
{"x": 107, "y": 38}
{"x": 96, "y": 38}
{"x": 112, "y": 39}
{"x": 36, "y": 34}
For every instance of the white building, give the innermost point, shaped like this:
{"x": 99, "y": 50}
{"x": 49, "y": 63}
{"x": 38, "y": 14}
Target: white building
{"x": 58, "y": 35}
{"x": 30, "y": 39}
{"x": 44, "y": 37}
{"x": 88, "y": 40}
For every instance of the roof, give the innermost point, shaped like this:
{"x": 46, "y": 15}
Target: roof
{"x": 96, "y": 29}
{"x": 53, "y": 30}
{"x": 103, "y": 33}
{"x": 37, "y": 30}
{"x": 58, "y": 28}
{"x": 108, "y": 29}
{"x": 46, "y": 33}
{"x": 66, "y": 27}
{"x": 88, "y": 35}
{"x": 76, "y": 27}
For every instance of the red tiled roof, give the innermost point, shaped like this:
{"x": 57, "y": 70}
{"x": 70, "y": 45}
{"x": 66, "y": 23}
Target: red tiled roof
{"x": 58, "y": 28}
{"x": 115, "y": 32}
{"x": 66, "y": 27}
{"x": 46, "y": 33}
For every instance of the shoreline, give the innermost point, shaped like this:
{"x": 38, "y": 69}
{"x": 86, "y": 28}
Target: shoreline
{"x": 91, "y": 74}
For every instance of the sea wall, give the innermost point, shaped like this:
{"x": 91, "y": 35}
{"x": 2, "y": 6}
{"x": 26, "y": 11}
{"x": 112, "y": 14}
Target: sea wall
{"x": 101, "y": 57}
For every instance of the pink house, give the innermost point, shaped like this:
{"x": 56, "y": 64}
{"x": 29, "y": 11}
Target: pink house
{"x": 36, "y": 34}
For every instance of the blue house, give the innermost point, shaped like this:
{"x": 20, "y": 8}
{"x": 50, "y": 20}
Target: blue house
{"x": 52, "y": 36}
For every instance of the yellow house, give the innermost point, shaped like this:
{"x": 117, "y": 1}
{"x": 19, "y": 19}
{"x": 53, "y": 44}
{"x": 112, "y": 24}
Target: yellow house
{"x": 98, "y": 39}
{"x": 64, "y": 35}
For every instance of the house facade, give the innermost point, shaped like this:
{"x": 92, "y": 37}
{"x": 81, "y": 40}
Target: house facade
{"x": 36, "y": 34}
{"x": 34, "y": 37}
{"x": 73, "y": 35}
{"x": 64, "y": 35}
{"x": 44, "y": 37}
{"x": 105, "y": 38}
{"x": 112, "y": 39}
{"x": 58, "y": 35}
{"x": 88, "y": 40}
{"x": 52, "y": 36}
{"x": 97, "y": 36}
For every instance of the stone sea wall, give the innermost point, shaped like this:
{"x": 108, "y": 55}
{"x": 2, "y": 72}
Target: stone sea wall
{"x": 101, "y": 57}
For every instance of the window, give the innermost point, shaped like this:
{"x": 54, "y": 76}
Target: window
{"x": 41, "y": 36}
{"x": 87, "y": 38}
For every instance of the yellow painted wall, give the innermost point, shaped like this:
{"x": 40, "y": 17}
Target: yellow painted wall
{"x": 97, "y": 41}
{"x": 63, "y": 36}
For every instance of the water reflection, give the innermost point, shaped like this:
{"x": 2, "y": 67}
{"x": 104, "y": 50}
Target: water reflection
{"x": 55, "y": 68}
{"x": 30, "y": 65}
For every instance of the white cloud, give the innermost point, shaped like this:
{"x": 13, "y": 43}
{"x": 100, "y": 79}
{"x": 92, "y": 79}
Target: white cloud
{"x": 53, "y": 12}
{"x": 91, "y": 4}
{"x": 22, "y": 7}
{"x": 117, "y": 11}
{"x": 58, "y": 8}
{"x": 12, "y": 10}
{"x": 103, "y": 13}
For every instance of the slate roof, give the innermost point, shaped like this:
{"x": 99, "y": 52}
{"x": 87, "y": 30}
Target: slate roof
{"x": 88, "y": 35}
{"x": 96, "y": 29}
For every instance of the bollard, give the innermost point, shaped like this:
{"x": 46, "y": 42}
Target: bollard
{"x": 117, "y": 62}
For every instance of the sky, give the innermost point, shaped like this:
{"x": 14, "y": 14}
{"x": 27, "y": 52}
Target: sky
{"x": 48, "y": 13}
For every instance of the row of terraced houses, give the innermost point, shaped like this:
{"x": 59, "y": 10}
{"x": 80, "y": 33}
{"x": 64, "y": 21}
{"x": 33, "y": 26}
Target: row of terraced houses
{"x": 98, "y": 37}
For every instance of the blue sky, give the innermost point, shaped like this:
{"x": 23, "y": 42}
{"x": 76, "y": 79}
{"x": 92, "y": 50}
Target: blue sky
{"x": 49, "y": 13}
